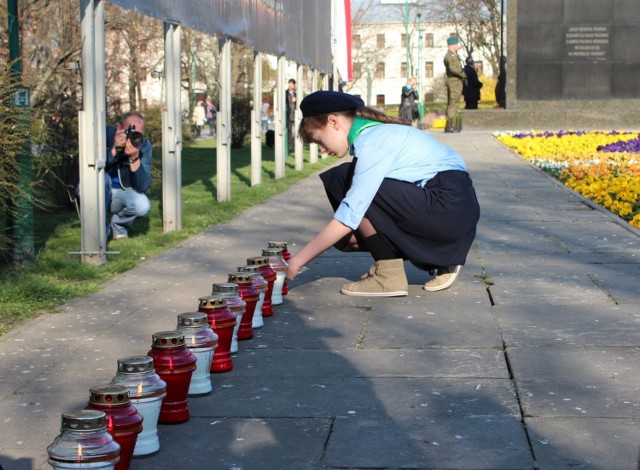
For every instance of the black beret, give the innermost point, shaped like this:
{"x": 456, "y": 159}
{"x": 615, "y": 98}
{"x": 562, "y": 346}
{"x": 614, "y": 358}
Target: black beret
{"x": 325, "y": 102}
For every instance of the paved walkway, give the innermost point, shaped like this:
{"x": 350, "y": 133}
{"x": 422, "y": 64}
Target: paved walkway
{"x": 531, "y": 361}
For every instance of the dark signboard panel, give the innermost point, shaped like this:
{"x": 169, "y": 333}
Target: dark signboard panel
{"x": 578, "y": 49}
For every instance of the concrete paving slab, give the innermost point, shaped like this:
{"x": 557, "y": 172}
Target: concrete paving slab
{"x": 435, "y": 323}
{"x": 235, "y": 443}
{"x": 280, "y": 363}
{"x": 619, "y": 281}
{"x": 589, "y": 443}
{"x": 429, "y": 443}
{"x": 403, "y": 398}
{"x": 308, "y": 328}
{"x": 577, "y": 381}
{"x": 549, "y": 324}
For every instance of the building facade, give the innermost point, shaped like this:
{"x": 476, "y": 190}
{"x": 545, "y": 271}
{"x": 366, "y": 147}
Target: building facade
{"x": 391, "y": 43}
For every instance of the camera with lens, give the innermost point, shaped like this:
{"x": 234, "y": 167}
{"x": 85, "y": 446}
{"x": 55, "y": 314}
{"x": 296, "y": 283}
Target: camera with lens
{"x": 133, "y": 136}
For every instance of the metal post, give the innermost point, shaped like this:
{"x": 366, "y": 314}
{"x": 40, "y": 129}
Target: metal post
{"x": 20, "y": 223}
{"x": 256, "y": 124}
{"x": 92, "y": 135}
{"x": 223, "y": 148}
{"x": 313, "y": 148}
{"x": 298, "y": 146}
{"x": 171, "y": 132}
{"x": 279, "y": 110}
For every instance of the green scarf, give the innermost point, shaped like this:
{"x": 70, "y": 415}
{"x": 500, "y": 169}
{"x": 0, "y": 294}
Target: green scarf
{"x": 359, "y": 124}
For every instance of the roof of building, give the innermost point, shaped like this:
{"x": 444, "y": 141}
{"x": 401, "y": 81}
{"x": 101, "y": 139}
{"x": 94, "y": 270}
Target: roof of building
{"x": 388, "y": 11}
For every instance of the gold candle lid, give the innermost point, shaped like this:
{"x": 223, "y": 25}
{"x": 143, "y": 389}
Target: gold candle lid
{"x": 271, "y": 252}
{"x": 110, "y": 395}
{"x": 213, "y": 301}
{"x": 225, "y": 288}
{"x": 249, "y": 269}
{"x": 280, "y": 245}
{"x": 240, "y": 278}
{"x": 135, "y": 364}
{"x": 258, "y": 261}
{"x": 192, "y": 320}
{"x": 83, "y": 420}
{"x": 168, "y": 339}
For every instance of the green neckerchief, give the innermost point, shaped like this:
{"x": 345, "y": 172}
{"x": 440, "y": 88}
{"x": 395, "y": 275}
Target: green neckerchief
{"x": 359, "y": 124}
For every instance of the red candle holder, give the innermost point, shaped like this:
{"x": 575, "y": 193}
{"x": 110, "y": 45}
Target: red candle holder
{"x": 229, "y": 290}
{"x": 84, "y": 442}
{"x": 124, "y": 422}
{"x": 201, "y": 341}
{"x": 222, "y": 321}
{"x": 250, "y": 295}
{"x": 261, "y": 286}
{"x": 174, "y": 363}
{"x": 269, "y": 275}
{"x": 286, "y": 255}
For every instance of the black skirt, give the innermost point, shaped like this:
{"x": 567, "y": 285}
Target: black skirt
{"x": 430, "y": 227}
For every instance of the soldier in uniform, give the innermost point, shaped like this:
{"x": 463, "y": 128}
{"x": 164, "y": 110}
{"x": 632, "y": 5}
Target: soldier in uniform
{"x": 455, "y": 83}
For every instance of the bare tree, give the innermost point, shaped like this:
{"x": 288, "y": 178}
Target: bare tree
{"x": 366, "y": 52}
{"x": 477, "y": 23}
{"x": 134, "y": 40}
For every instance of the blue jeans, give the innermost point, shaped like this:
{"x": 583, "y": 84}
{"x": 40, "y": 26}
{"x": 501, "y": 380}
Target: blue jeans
{"x": 126, "y": 205}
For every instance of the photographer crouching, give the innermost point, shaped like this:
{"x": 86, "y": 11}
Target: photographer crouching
{"x": 128, "y": 173}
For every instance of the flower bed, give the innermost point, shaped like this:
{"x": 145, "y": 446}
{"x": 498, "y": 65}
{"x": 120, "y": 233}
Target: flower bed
{"x": 602, "y": 166}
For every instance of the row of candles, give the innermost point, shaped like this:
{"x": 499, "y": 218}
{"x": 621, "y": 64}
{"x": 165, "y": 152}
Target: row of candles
{"x": 120, "y": 420}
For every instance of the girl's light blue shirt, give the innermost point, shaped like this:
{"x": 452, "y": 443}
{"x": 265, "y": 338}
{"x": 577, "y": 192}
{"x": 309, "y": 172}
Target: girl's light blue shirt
{"x": 392, "y": 151}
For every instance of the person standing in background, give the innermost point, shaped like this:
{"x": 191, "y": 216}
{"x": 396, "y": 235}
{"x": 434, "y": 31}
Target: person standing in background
{"x": 198, "y": 118}
{"x": 455, "y": 83}
{"x": 408, "y": 107}
{"x": 472, "y": 86}
{"x": 210, "y": 113}
{"x": 291, "y": 99}
{"x": 500, "y": 90}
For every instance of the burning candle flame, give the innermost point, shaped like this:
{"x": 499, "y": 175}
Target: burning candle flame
{"x": 170, "y": 363}
{"x": 110, "y": 423}
{"x": 193, "y": 340}
{"x": 140, "y": 389}
{"x": 79, "y": 452}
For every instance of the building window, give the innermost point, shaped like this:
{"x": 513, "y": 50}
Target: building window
{"x": 403, "y": 40}
{"x": 428, "y": 69}
{"x": 357, "y": 71}
{"x": 380, "y": 70}
{"x": 144, "y": 71}
{"x": 403, "y": 70}
{"x": 428, "y": 40}
{"x": 380, "y": 101}
{"x": 355, "y": 40}
{"x": 380, "y": 41}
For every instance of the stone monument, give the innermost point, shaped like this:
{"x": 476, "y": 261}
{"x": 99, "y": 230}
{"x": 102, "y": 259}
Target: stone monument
{"x": 571, "y": 64}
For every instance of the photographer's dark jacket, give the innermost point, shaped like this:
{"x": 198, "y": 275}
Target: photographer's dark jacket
{"x": 121, "y": 175}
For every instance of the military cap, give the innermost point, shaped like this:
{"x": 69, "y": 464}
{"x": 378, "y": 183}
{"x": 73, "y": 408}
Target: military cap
{"x": 325, "y": 102}
{"x": 451, "y": 41}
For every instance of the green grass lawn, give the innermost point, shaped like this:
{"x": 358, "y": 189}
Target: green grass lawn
{"x": 57, "y": 276}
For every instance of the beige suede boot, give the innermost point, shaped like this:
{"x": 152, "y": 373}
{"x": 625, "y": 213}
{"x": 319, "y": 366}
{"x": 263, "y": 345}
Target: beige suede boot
{"x": 386, "y": 278}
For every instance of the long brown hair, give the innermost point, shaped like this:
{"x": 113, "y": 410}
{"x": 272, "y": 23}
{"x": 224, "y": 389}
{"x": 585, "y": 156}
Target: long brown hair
{"x": 310, "y": 124}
